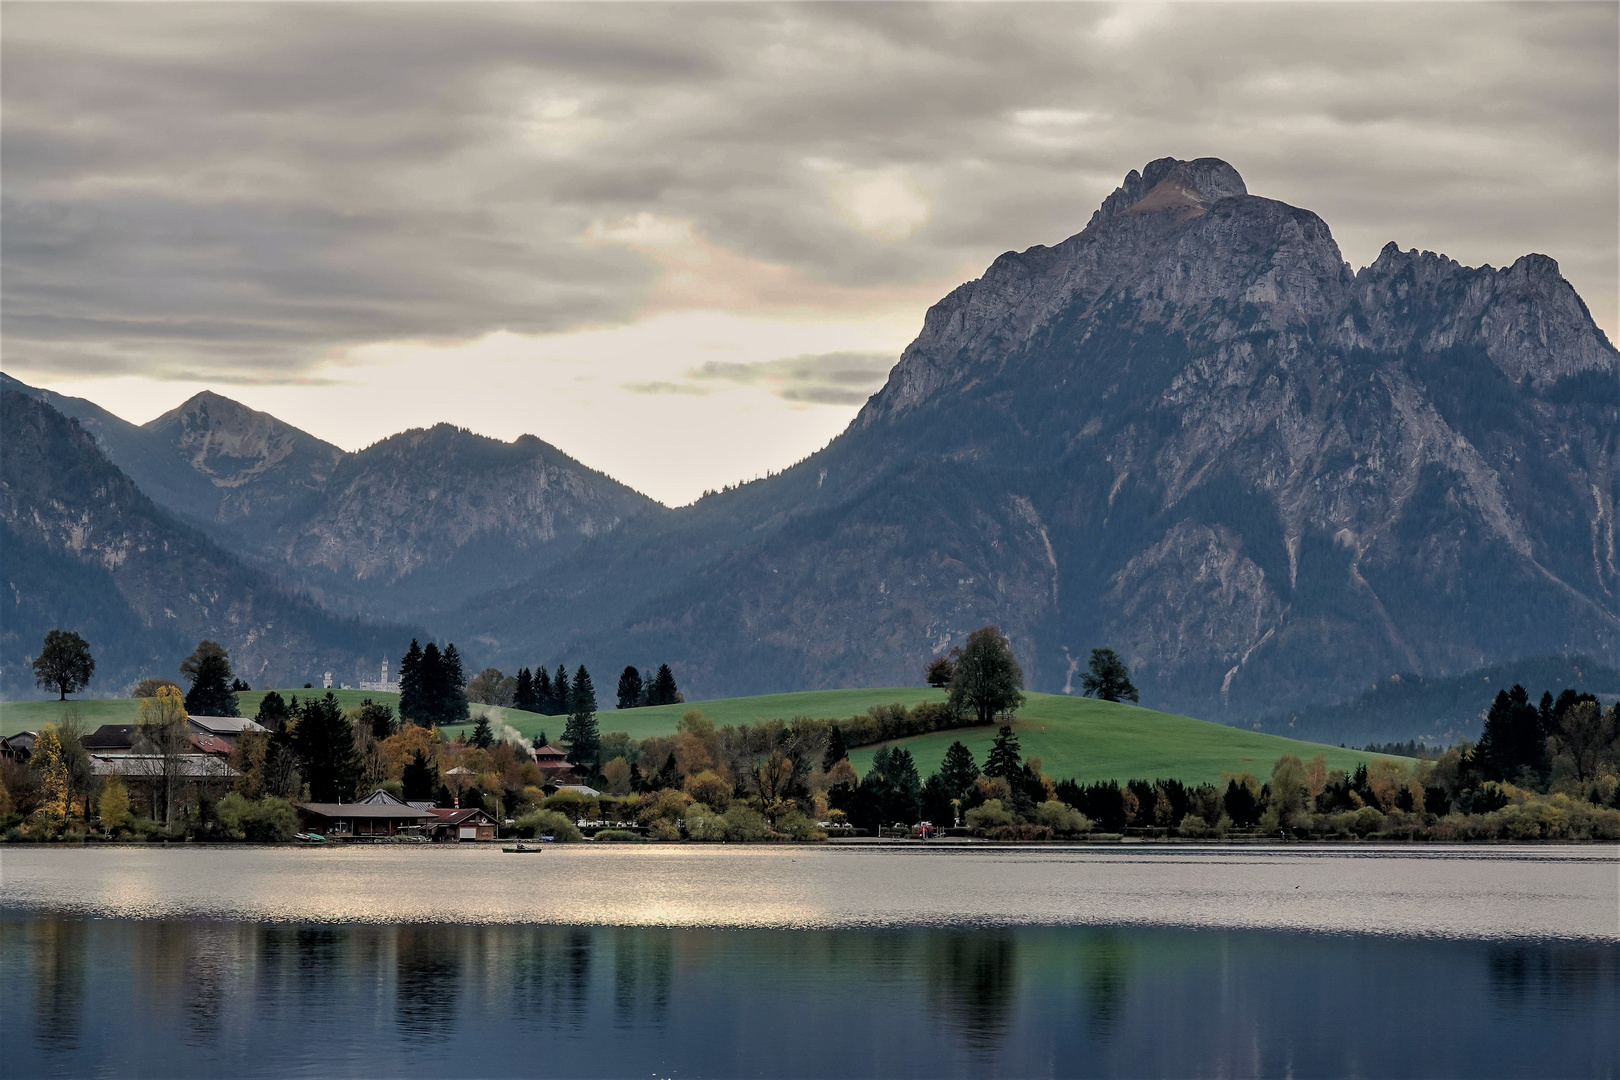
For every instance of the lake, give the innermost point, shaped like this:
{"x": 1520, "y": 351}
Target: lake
{"x": 827, "y": 961}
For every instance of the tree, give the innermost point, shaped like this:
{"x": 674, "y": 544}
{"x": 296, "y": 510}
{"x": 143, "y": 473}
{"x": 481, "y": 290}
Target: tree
{"x": 70, "y": 732}
{"x": 149, "y": 686}
{"x": 580, "y": 733}
{"x": 987, "y": 678}
{"x": 420, "y": 779}
{"x": 1513, "y": 742}
{"x": 1587, "y": 740}
{"x": 1288, "y": 795}
{"x": 1005, "y": 760}
{"x": 51, "y": 768}
{"x": 836, "y": 749}
{"x": 273, "y": 712}
{"x": 209, "y": 669}
{"x": 411, "y": 700}
{"x": 113, "y": 806}
{"x": 523, "y": 692}
{"x": 377, "y": 719}
{"x": 559, "y": 692}
{"x": 482, "y": 736}
{"x": 492, "y": 686}
{"x": 453, "y": 703}
{"x": 940, "y": 672}
{"x": 543, "y": 694}
{"x": 164, "y": 740}
{"x": 64, "y": 663}
{"x": 432, "y": 668}
{"x": 958, "y": 771}
{"x": 324, "y": 742}
{"x": 664, "y": 691}
{"x": 1107, "y": 678}
{"x": 629, "y": 688}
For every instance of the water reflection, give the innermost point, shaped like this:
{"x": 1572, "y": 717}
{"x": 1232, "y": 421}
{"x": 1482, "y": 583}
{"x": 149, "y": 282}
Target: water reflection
{"x": 245, "y": 999}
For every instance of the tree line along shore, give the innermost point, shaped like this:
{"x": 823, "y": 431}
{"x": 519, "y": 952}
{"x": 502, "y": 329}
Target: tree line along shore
{"x": 1542, "y": 770}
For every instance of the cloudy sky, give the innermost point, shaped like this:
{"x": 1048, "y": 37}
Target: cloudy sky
{"x": 684, "y": 242}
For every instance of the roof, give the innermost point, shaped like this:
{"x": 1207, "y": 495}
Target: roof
{"x": 226, "y": 725}
{"x": 550, "y": 751}
{"x": 110, "y": 737}
{"x": 421, "y": 804}
{"x": 382, "y": 797}
{"x": 459, "y": 817}
{"x": 579, "y": 789}
{"x": 365, "y": 810}
{"x": 193, "y": 765}
{"x": 209, "y": 743}
{"x": 459, "y": 771}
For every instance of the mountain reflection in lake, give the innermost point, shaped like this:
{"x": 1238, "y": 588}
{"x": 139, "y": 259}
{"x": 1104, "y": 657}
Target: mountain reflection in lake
{"x": 208, "y": 998}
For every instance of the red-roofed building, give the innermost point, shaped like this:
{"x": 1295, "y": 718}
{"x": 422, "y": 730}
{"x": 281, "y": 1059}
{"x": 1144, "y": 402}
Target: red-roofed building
{"x": 468, "y": 824}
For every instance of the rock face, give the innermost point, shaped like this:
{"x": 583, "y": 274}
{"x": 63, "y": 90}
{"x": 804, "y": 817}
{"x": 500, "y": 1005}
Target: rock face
{"x": 86, "y": 549}
{"x": 426, "y": 518}
{"x": 257, "y": 466}
{"x": 1190, "y": 432}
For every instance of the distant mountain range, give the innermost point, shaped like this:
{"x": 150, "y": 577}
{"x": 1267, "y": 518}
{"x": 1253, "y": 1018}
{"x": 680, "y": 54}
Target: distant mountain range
{"x": 1190, "y": 432}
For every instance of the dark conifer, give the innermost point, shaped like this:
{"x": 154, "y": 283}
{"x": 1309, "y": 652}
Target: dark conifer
{"x": 542, "y": 690}
{"x": 559, "y": 692}
{"x": 420, "y": 779}
{"x": 581, "y": 735}
{"x": 629, "y": 688}
{"x": 523, "y": 693}
{"x": 411, "y": 701}
{"x": 324, "y": 742}
{"x": 669, "y": 776}
{"x": 482, "y": 736}
{"x": 664, "y": 691}
{"x": 958, "y": 770}
{"x": 209, "y": 669}
{"x": 273, "y": 712}
{"x": 1005, "y": 760}
{"x": 454, "y": 707}
{"x": 432, "y": 668}
{"x": 836, "y": 750}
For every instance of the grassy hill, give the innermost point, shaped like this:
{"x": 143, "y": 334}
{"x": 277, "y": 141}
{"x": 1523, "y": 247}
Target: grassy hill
{"x": 1076, "y": 738}
{"x": 18, "y": 716}
{"x": 1086, "y": 740}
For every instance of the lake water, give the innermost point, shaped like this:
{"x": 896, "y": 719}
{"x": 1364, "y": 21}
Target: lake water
{"x": 776, "y": 961}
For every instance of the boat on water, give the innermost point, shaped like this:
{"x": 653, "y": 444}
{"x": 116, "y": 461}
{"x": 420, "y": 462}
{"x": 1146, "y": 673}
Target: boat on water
{"x": 524, "y": 849}
{"x": 309, "y": 838}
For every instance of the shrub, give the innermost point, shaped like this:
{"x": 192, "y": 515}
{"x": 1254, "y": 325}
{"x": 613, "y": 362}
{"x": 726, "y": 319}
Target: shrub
{"x": 1062, "y": 818}
{"x": 1365, "y": 821}
{"x": 703, "y": 823}
{"x": 709, "y": 789}
{"x": 795, "y": 826}
{"x": 744, "y": 823}
{"x": 548, "y": 823}
{"x": 617, "y": 835}
{"x": 1020, "y": 832}
{"x": 663, "y": 829}
{"x": 991, "y": 815}
{"x": 263, "y": 821}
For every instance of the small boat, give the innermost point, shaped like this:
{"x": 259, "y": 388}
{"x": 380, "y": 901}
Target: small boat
{"x": 523, "y": 849}
{"x": 309, "y": 838}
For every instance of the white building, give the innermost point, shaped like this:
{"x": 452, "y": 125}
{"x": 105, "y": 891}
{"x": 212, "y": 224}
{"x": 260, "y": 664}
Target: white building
{"x": 382, "y": 684}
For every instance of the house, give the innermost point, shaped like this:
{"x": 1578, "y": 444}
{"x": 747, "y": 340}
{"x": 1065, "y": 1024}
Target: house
{"x": 191, "y": 767}
{"x": 226, "y": 729}
{"x": 18, "y": 747}
{"x": 554, "y": 765}
{"x": 468, "y": 824}
{"x": 111, "y": 739}
{"x": 378, "y": 814}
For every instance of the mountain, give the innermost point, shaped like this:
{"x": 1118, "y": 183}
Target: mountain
{"x": 86, "y": 549}
{"x": 1190, "y": 432}
{"x": 407, "y": 526}
{"x": 426, "y": 518}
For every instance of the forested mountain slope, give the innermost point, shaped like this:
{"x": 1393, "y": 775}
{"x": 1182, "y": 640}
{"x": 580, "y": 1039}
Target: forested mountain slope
{"x": 84, "y": 548}
{"x": 1189, "y": 431}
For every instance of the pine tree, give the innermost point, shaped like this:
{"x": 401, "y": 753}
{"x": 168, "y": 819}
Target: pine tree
{"x": 836, "y": 750}
{"x": 324, "y": 742}
{"x": 669, "y": 776}
{"x": 377, "y": 719}
{"x": 629, "y": 688}
{"x": 523, "y": 694}
{"x": 542, "y": 691}
{"x": 273, "y": 712}
{"x": 664, "y": 691}
{"x": 482, "y": 736}
{"x": 581, "y": 735}
{"x": 1005, "y": 760}
{"x": 958, "y": 770}
{"x": 209, "y": 669}
{"x": 559, "y": 692}
{"x": 420, "y": 779}
{"x": 454, "y": 707}
{"x": 410, "y": 686}
{"x": 1514, "y": 739}
{"x": 432, "y": 668}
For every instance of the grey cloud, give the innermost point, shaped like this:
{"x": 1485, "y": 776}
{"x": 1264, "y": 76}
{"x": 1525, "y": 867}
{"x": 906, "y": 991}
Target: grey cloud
{"x": 841, "y": 378}
{"x": 248, "y": 187}
{"x": 664, "y": 388}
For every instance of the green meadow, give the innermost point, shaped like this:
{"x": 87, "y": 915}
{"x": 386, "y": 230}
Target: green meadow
{"x": 1075, "y": 738}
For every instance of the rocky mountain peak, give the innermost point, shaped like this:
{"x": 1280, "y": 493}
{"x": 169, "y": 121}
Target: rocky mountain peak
{"x": 233, "y": 445}
{"x": 1168, "y": 183}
